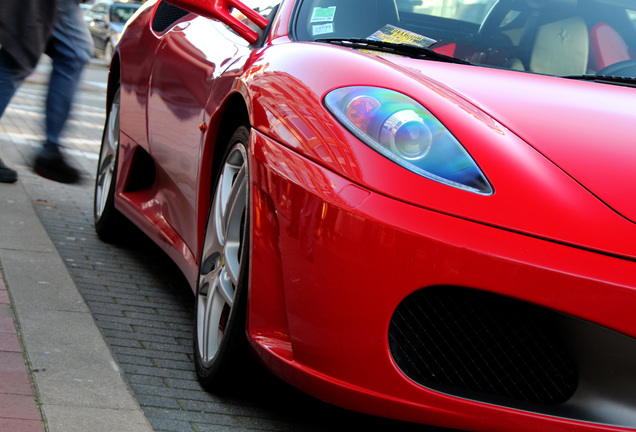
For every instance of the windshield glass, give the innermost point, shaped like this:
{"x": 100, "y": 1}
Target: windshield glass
{"x": 553, "y": 37}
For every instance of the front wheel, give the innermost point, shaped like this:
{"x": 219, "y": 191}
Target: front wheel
{"x": 108, "y": 221}
{"x": 220, "y": 346}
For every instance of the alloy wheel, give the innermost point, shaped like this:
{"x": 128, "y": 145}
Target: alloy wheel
{"x": 107, "y": 160}
{"x": 221, "y": 262}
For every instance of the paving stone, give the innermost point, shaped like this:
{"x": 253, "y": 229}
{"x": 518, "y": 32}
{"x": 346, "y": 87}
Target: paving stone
{"x": 6, "y": 322}
{"x": 5, "y": 311}
{"x": 20, "y": 425}
{"x": 10, "y": 342}
{"x": 18, "y": 407}
{"x": 15, "y": 379}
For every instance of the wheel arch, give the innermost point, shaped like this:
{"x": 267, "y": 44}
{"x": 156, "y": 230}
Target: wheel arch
{"x": 114, "y": 78}
{"x": 234, "y": 112}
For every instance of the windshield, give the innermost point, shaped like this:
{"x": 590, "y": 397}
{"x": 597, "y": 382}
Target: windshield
{"x": 553, "y": 37}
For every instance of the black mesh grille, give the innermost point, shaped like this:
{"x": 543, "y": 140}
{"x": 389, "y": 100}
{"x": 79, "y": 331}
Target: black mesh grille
{"x": 472, "y": 343}
{"x": 166, "y": 15}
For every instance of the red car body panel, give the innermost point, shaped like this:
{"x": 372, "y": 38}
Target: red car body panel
{"x": 341, "y": 235}
{"x": 590, "y": 123}
{"x": 498, "y": 150}
{"x": 288, "y": 308}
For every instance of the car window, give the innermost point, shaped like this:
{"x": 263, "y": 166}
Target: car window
{"x": 98, "y": 9}
{"x": 632, "y": 16}
{"x": 553, "y": 37}
{"x": 263, "y": 7}
{"x": 466, "y": 10}
{"x": 120, "y": 13}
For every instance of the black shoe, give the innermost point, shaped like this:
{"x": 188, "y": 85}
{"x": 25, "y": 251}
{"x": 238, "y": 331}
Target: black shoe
{"x": 50, "y": 164}
{"x": 7, "y": 175}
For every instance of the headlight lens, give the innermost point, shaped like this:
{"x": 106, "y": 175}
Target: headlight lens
{"x": 404, "y": 131}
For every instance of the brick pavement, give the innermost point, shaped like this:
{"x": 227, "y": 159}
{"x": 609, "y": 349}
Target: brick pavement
{"x": 140, "y": 302}
{"x": 19, "y": 410}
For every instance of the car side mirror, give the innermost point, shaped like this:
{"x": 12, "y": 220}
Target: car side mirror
{"x": 221, "y": 10}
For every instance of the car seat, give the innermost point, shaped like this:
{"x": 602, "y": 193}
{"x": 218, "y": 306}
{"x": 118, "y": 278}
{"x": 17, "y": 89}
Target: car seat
{"x": 550, "y": 36}
{"x": 555, "y": 40}
{"x": 561, "y": 47}
{"x": 608, "y": 46}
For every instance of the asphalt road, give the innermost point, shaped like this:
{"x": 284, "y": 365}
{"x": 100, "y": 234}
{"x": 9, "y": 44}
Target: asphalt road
{"x": 140, "y": 301}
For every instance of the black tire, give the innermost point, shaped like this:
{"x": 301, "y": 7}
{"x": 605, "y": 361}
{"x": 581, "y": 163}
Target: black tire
{"x": 109, "y": 222}
{"x": 220, "y": 345}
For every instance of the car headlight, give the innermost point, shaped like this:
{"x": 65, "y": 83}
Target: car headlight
{"x": 404, "y": 131}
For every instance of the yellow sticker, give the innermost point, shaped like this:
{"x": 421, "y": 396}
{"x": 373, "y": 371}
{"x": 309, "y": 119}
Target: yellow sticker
{"x": 392, "y": 34}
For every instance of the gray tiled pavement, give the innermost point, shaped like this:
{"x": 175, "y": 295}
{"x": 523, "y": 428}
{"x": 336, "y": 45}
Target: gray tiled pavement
{"x": 138, "y": 300}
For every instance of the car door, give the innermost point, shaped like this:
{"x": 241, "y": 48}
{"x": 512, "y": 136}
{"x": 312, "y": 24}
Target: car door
{"x": 191, "y": 56}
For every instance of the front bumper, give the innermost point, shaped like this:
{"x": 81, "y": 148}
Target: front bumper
{"x": 332, "y": 262}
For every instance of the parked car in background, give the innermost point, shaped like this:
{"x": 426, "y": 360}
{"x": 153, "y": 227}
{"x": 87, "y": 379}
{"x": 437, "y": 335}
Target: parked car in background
{"x": 106, "y": 20}
{"x": 85, "y": 7}
{"x": 422, "y": 212}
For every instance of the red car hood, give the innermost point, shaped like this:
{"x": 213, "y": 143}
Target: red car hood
{"x": 587, "y": 129}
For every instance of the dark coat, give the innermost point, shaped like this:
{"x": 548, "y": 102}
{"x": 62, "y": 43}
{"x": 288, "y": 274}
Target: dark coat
{"x": 25, "y": 27}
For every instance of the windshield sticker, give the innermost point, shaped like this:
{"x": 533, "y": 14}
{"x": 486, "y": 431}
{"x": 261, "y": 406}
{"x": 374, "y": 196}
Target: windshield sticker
{"x": 380, "y": 53}
{"x": 323, "y": 14}
{"x": 392, "y": 34}
{"x": 322, "y": 29}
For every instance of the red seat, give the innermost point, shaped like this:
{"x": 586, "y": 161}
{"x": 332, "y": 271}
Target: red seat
{"x": 608, "y": 46}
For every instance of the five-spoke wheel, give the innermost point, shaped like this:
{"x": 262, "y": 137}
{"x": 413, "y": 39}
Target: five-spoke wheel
{"x": 220, "y": 305}
{"x": 108, "y": 221}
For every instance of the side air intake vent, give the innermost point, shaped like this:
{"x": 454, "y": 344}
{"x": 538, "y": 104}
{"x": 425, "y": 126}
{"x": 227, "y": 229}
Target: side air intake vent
{"x": 166, "y": 15}
{"x": 481, "y": 346}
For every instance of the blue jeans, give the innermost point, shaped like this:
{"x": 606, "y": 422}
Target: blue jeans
{"x": 70, "y": 47}
{"x": 11, "y": 77}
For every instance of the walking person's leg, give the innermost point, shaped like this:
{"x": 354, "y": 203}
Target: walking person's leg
{"x": 11, "y": 77}
{"x": 70, "y": 48}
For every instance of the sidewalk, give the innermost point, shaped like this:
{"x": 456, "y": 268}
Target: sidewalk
{"x": 57, "y": 373}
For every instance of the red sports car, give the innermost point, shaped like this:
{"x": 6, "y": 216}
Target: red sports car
{"x": 419, "y": 210}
